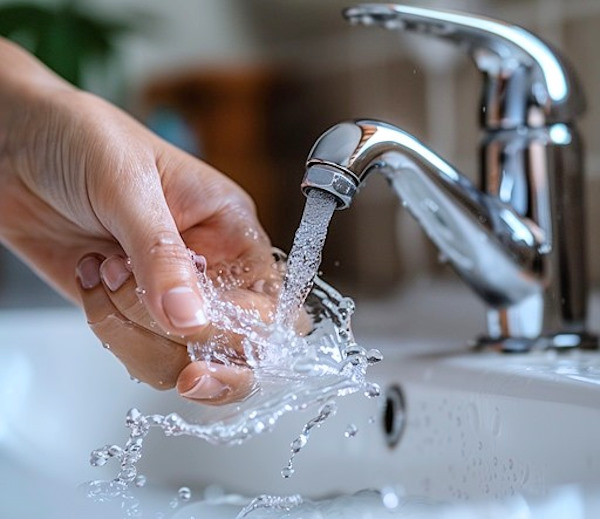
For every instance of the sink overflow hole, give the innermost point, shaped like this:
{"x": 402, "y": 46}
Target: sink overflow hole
{"x": 394, "y": 415}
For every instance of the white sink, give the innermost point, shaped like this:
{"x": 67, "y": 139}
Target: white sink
{"x": 489, "y": 429}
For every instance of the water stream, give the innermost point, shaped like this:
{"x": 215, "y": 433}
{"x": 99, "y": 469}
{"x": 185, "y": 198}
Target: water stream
{"x": 305, "y": 256}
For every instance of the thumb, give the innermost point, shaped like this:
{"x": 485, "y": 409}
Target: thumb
{"x": 161, "y": 263}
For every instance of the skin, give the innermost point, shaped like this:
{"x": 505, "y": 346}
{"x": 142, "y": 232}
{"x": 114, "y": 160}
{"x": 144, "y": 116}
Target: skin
{"x": 85, "y": 186}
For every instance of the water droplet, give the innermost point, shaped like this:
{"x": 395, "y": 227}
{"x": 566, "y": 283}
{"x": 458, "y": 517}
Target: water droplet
{"x": 133, "y": 416}
{"x": 98, "y": 459}
{"x": 184, "y": 493}
{"x": 174, "y": 503}
{"x": 390, "y": 498}
{"x": 172, "y": 424}
{"x": 374, "y": 356}
{"x": 199, "y": 262}
{"x": 127, "y": 474}
{"x": 106, "y": 346}
{"x": 114, "y": 451}
{"x": 287, "y": 472}
{"x": 140, "y": 291}
{"x": 371, "y": 420}
{"x": 496, "y": 422}
{"x": 299, "y": 443}
{"x": 372, "y": 390}
{"x": 351, "y": 431}
{"x": 140, "y": 481}
{"x": 251, "y": 233}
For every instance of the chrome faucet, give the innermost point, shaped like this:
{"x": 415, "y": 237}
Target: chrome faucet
{"x": 519, "y": 240}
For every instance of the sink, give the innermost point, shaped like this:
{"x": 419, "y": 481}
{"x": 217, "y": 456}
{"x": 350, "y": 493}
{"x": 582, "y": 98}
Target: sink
{"x": 455, "y": 428}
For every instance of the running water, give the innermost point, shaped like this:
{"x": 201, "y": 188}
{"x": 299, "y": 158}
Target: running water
{"x": 292, "y": 370}
{"x": 305, "y": 256}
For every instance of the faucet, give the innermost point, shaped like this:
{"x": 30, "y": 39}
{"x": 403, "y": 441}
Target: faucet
{"x": 518, "y": 241}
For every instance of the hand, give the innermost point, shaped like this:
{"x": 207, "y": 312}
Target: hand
{"x": 117, "y": 315}
{"x": 80, "y": 177}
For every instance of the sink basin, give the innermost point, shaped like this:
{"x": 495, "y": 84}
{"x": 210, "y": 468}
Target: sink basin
{"x": 455, "y": 428}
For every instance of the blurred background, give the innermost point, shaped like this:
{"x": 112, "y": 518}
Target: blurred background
{"x": 248, "y": 86}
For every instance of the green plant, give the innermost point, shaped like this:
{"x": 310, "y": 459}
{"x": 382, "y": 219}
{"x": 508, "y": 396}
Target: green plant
{"x": 64, "y": 36}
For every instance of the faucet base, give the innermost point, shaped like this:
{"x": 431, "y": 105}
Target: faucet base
{"x": 560, "y": 341}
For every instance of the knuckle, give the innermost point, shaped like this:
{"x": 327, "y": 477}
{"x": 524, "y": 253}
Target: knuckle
{"x": 167, "y": 244}
{"x": 167, "y": 250}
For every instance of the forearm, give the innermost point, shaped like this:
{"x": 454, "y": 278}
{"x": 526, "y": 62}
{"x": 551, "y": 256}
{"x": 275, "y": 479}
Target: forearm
{"x": 23, "y": 81}
{"x": 21, "y": 72}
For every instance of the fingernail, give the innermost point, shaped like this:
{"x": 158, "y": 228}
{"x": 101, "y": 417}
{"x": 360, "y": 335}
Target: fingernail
{"x": 184, "y": 308}
{"x": 88, "y": 272}
{"x": 114, "y": 272}
{"x": 206, "y": 388}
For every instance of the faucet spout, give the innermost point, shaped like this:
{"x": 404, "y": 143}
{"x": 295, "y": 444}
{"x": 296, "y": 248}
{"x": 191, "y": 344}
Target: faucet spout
{"x": 505, "y": 255}
{"x": 483, "y": 238}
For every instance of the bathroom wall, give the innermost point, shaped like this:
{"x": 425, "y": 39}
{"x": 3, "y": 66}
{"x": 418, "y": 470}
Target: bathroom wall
{"x": 330, "y": 72}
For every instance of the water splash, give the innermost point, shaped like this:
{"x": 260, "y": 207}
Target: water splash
{"x": 271, "y": 503}
{"x": 300, "y": 442}
{"x": 335, "y": 366}
{"x": 389, "y": 502}
{"x": 292, "y": 370}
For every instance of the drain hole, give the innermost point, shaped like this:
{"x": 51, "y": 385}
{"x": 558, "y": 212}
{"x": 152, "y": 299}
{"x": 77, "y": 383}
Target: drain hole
{"x": 394, "y": 415}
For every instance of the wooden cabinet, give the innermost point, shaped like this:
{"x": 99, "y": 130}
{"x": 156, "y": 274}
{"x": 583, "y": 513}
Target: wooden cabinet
{"x": 227, "y": 111}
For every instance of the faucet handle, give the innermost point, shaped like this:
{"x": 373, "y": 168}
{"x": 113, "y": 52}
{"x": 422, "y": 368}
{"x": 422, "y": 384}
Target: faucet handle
{"x": 526, "y": 82}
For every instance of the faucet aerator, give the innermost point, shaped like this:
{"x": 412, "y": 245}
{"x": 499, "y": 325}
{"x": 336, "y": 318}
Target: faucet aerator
{"x": 341, "y": 184}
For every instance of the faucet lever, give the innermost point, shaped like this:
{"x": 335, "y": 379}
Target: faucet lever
{"x": 526, "y": 81}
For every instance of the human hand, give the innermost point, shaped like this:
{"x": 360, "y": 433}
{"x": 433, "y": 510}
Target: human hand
{"x": 117, "y": 315}
{"x": 81, "y": 177}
